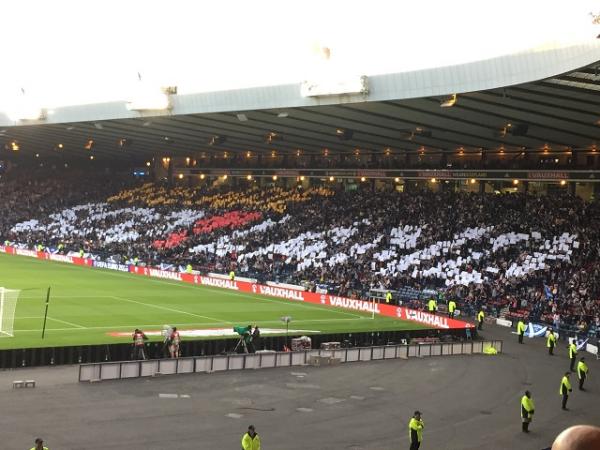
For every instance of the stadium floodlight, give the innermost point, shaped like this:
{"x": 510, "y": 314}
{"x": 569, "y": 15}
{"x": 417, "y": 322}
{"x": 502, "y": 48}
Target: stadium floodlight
{"x": 8, "y": 305}
{"x": 151, "y": 99}
{"x": 449, "y": 101}
{"x": 354, "y": 85}
{"x": 344, "y": 134}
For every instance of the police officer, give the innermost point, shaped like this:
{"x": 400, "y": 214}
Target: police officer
{"x": 432, "y": 305}
{"x": 415, "y": 430}
{"x": 480, "y": 316}
{"x": 565, "y": 388}
{"x": 388, "y": 297}
{"x": 527, "y": 410}
{"x": 251, "y": 439}
{"x": 582, "y": 372}
{"x": 521, "y": 330}
{"x": 451, "y": 308}
{"x": 551, "y": 342}
{"x": 572, "y": 355}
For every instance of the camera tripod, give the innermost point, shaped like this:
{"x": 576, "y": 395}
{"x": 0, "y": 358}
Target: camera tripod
{"x": 242, "y": 343}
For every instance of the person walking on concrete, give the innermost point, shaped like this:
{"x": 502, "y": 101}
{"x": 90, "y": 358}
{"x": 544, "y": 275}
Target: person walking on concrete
{"x": 572, "y": 355}
{"x": 521, "y": 330}
{"x": 582, "y": 372}
{"x": 39, "y": 445}
{"x": 251, "y": 439}
{"x": 551, "y": 342}
{"x": 527, "y": 410}
{"x": 415, "y": 431}
{"x": 565, "y": 388}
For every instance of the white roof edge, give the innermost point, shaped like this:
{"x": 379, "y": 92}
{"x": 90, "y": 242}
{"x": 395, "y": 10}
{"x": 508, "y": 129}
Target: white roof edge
{"x": 503, "y": 71}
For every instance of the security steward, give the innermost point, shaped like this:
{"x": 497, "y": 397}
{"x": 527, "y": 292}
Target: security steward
{"x": 582, "y": 372}
{"x": 232, "y": 275}
{"x": 451, "y": 308}
{"x": 572, "y": 355}
{"x": 527, "y": 410}
{"x": 189, "y": 269}
{"x": 565, "y": 388}
{"x": 251, "y": 439}
{"x": 480, "y": 316}
{"x": 415, "y": 430}
{"x": 521, "y": 330}
{"x": 551, "y": 342}
{"x": 388, "y": 297}
{"x": 39, "y": 445}
{"x": 432, "y": 306}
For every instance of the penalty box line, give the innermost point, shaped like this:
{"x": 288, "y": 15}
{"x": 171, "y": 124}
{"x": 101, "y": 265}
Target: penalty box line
{"x": 178, "y": 311}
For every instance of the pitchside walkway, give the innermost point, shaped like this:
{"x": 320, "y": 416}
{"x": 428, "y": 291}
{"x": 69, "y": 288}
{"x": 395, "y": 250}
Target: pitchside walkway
{"x": 468, "y": 402}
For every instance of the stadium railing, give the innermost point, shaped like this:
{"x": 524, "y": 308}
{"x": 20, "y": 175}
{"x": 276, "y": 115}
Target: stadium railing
{"x": 263, "y": 360}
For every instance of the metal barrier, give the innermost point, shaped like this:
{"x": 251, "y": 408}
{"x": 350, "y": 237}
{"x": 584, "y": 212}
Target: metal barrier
{"x": 262, "y": 360}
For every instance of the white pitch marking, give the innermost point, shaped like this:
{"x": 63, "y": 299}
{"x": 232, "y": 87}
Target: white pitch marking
{"x": 172, "y": 310}
{"x": 193, "y": 286}
{"x": 68, "y": 323}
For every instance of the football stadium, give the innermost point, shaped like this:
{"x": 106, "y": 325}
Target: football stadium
{"x": 265, "y": 230}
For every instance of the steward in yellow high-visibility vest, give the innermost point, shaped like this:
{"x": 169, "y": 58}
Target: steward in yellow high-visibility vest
{"x": 188, "y": 268}
{"x": 388, "y": 297}
{"x": 432, "y": 306}
{"x": 572, "y": 356}
{"x": 451, "y": 308}
{"x": 551, "y": 342}
{"x": 251, "y": 439}
{"x": 521, "y": 330}
{"x": 565, "y": 388}
{"x": 582, "y": 372}
{"x": 480, "y": 317}
{"x": 232, "y": 275}
{"x": 527, "y": 410}
{"x": 415, "y": 431}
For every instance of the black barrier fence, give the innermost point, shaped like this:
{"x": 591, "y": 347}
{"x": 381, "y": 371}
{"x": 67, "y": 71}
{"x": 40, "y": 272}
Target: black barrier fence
{"x": 48, "y": 356}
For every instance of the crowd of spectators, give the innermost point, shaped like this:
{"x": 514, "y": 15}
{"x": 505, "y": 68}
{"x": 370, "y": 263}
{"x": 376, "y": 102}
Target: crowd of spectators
{"x": 528, "y": 256}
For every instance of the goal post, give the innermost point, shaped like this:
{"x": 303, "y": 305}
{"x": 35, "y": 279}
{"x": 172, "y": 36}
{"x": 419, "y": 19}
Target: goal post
{"x": 8, "y": 306}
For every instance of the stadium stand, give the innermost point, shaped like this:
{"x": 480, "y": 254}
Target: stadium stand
{"x": 520, "y": 255}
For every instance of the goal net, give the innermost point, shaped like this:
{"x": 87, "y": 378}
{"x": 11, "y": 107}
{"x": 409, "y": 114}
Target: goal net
{"x": 8, "y": 305}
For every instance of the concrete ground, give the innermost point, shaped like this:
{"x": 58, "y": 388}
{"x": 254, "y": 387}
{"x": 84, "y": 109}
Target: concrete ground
{"x": 468, "y": 402}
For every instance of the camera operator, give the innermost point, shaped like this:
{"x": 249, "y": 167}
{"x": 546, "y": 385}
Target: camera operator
{"x": 139, "y": 344}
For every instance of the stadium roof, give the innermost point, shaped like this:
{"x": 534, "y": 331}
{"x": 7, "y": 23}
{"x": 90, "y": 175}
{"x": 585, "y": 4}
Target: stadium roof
{"x": 527, "y": 100}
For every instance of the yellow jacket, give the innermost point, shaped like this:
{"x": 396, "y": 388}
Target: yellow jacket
{"x": 249, "y": 443}
{"x": 565, "y": 385}
{"x": 415, "y": 429}
{"x": 551, "y": 341}
{"x": 527, "y": 407}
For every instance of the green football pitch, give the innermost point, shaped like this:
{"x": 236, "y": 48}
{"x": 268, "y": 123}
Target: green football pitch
{"x": 95, "y": 306}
